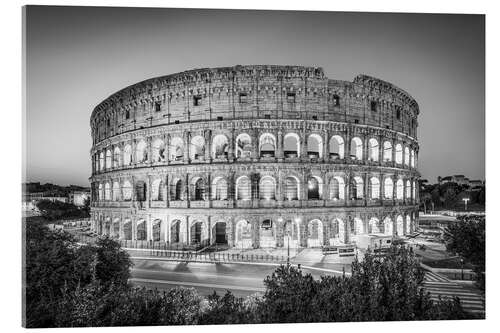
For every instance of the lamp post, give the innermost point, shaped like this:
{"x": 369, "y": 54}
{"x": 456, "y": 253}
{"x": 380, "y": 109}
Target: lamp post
{"x": 465, "y": 202}
{"x": 288, "y": 244}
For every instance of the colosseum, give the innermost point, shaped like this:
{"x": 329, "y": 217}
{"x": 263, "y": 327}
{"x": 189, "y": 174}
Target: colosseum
{"x": 255, "y": 156}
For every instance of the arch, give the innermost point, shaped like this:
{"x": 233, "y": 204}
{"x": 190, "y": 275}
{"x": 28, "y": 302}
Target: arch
{"x": 101, "y": 161}
{"x": 157, "y": 190}
{"x": 243, "y": 146}
{"x": 127, "y": 190}
{"x": 374, "y": 188}
{"x": 176, "y": 151}
{"x": 412, "y": 158}
{"x": 219, "y": 189}
{"x": 408, "y": 224}
{"x": 107, "y": 191}
{"x": 337, "y": 186}
{"x": 220, "y": 233}
{"x": 220, "y": 147}
{"x": 356, "y": 149}
{"x": 314, "y": 233}
{"x": 291, "y": 145}
{"x": 267, "y": 145}
{"x": 127, "y": 155}
{"x": 374, "y": 226}
{"x": 399, "y": 189}
{"x": 399, "y": 154}
{"x": 408, "y": 189}
{"x": 108, "y": 159}
{"x": 292, "y": 188}
{"x": 116, "y": 191}
{"x": 373, "y": 149}
{"x": 199, "y": 189}
{"x": 359, "y": 228}
{"x": 158, "y": 150}
{"x": 357, "y": 188}
{"x": 140, "y": 191}
{"x": 267, "y": 234}
{"x": 336, "y": 147}
{"x": 115, "y": 228}
{"x": 314, "y": 146}
{"x": 177, "y": 189}
{"x": 388, "y": 188}
{"x": 127, "y": 229}
{"x": 141, "y": 230}
{"x": 157, "y": 234}
{"x": 107, "y": 227}
{"x": 116, "y": 157}
{"x": 387, "y": 152}
{"x": 101, "y": 192}
{"x": 176, "y": 232}
{"x": 291, "y": 230}
{"x": 197, "y": 151}
{"x": 243, "y": 189}
{"x": 388, "y": 226}
{"x": 314, "y": 188}
{"x": 414, "y": 190}
{"x": 407, "y": 156}
{"x": 196, "y": 232}
{"x": 243, "y": 234}
{"x": 141, "y": 153}
{"x": 399, "y": 225}
{"x": 267, "y": 188}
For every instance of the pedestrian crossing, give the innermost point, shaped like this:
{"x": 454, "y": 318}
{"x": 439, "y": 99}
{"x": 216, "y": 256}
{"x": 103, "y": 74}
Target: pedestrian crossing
{"x": 437, "y": 285}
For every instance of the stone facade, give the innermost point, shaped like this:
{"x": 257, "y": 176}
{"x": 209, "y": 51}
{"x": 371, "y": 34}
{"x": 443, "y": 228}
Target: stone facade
{"x": 255, "y": 156}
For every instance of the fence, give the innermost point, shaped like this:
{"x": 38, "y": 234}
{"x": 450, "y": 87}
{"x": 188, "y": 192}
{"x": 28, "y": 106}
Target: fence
{"x": 217, "y": 257}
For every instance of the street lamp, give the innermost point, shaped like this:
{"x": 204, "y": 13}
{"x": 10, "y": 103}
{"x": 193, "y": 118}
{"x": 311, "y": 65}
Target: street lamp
{"x": 465, "y": 202}
{"x": 288, "y": 243}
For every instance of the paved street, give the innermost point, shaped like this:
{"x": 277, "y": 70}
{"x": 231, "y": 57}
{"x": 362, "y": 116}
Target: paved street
{"x": 241, "y": 279}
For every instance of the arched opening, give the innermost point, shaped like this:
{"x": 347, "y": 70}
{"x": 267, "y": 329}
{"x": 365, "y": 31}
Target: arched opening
{"x": 107, "y": 226}
{"x": 127, "y": 190}
{"x": 140, "y": 191}
{"x": 399, "y": 154}
{"x": 197, "y": 151}
{"x": 243, "y": 188}
{"x": 157, "y": 190}
{"x": 101, "y": 161}
{"x": 336, "y": 147}
{"x": 291, "y": 233}
{"x": 313, "y": 188}
{"x": 291, "y": 188}
{"x": 243, "y": 235}
{"x": 175, "y": 232}
{"x": 412, "y": 158}
{"x": 176, "y": 190}
{"x": 219, "y": 189}
{"x": 266, "y": 234}
{"x": 337, "y": 187}
{"x": 243, "y": 146}
{"x": 399, "y": 189}
{"x": 127, "y": 155}
{"x": 267, "y": 145}
{"x": 388, "y": 227}
{"x": 388, "y": 188}
{"x": 116, "y": 157}
{"x": 196, "y": 233}
{"x": 107, "y": 191}
{"x": 220, "y": 233}
{"x": 116, "y": 191}
{"x": 408, "y": 190}
{"x": 399, "y": 225}
{"x": 314, "y": 146}
{"x": 315, "y": 233}
{"x": 127, "y": 229}
{"x": 408, "y": 224}
{"x": 407, "y": 156}
{"x": 157, "y": 230}
{"x": 141, "y": 230}
{"x": 373, "y": 150}
{"x": 176, "y": 151}
{"x": 141, "y": 152}
{"x": 356, "y": 149}
{"x": 101, "y": 192}
{"x": 374, "y": 188}
{"x": 108, "y": 159}
{"x": 158, "y": 151}
{"x": 199, "y": 190}
{"x": 220, "y": 147}
{"x": 387, "y": 151}
{"x": 357, "y": 188}
{"x": 291, "y": 145}
{"x": 374, "y": 226}
{"x": 267, "y": 188}
{"x": 115, "y": 228}
{"x": 359, "y": 228}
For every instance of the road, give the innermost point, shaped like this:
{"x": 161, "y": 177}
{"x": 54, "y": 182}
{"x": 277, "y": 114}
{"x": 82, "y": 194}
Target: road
{"x": 240, "y": 279}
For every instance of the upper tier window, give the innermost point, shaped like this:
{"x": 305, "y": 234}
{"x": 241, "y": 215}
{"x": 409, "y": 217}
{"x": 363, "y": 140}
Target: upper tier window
{"x": 290, "y": 97}
{"x": 243, "y": 97}
{"x": 373, "y": 106}
{"x": 197, "y": 100}
{"x": 127, "y": 114}
{"x": 336, "y": 100}
{"x": 157, "y": 106}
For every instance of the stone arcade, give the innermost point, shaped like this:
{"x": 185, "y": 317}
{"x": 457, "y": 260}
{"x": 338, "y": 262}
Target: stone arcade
{"x": 251, "y": 155}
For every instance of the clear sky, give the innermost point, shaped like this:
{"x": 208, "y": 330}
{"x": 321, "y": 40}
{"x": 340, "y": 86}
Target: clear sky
{"x": 78, "y": 56}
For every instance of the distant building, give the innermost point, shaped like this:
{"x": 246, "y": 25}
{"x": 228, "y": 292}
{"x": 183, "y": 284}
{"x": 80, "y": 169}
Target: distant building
{"x": 78, "y": 198}
{"x": 460, "y": 180}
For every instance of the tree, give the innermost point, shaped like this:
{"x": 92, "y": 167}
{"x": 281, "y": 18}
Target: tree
{"x": 467, "y": 238}
{"x": 54, "y": 210}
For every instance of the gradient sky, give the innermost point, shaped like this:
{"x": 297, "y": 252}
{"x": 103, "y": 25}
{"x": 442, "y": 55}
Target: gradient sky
{"x": 78, "y": 56}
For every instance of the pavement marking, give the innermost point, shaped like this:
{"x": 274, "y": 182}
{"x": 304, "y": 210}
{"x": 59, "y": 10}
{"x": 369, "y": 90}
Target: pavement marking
{"x": 196, "y": 284}
{"x": 198, "y": 275}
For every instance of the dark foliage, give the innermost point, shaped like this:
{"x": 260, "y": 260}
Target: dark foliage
{"x": 55, "y": 210}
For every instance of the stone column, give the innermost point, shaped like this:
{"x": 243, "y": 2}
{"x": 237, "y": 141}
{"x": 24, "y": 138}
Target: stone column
{"x": 133, "y": 154}
{"x": 186, "y": 147}
{"x": 231, "y": 150}
{"x": 279, "y": 146}
{"x": 326, "y": 151}
{"x": 208, "y": 145}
